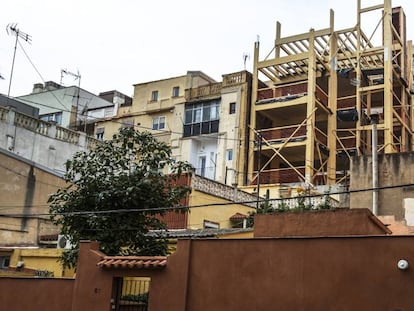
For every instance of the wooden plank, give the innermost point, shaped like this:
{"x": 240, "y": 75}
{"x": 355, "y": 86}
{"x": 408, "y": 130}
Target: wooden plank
{"x": 282, "y": 60}
{"x": 297, "y": 101}
{"x": 371, "y": 88}
{"x": 371, "y": 8}
{"x": 304, "y": 36}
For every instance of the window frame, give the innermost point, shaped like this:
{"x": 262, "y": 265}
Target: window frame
{"x": 232, "y": 108}
{"x": 154, "y": 96}
{"x": 156, "y": 121}
{"x": 176, "y": 91}
{"x": 229, "y": 154}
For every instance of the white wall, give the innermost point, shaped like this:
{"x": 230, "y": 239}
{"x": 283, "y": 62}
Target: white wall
{"x": 38, "y": 146}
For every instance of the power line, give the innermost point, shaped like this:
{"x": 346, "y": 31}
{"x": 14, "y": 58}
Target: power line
{"x": 178, "y": 208}
{"x": 99, "y": 119}
{"x": 38, "y": 72}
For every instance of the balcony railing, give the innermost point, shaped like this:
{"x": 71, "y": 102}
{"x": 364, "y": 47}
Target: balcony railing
{"x": 280, "y": 134}
{"x": 321, "y": 96}
{"x": 203, "y": 91}
{"x": 44, "y": 128}
{"x": 281, "y": 175}
{"x": 284, "y": 92}
{"x": 311, "y": 201}
{"x": 234, "y": 78}
{"x": 321, "y": 137}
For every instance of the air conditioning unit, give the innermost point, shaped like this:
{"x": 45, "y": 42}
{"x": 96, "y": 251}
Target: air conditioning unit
{"x": 63, "y": 242}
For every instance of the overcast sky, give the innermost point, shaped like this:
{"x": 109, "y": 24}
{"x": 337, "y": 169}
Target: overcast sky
{"x": 117, "y": 43}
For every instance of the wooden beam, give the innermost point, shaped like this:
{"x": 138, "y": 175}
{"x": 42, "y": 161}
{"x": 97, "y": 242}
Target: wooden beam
{"x": 371, "y": 8}
{"x": 255, "y": 84}
{"x": 311, "y": 106}
{"x": 388, "y": 78}
{"x": 282, "y": 60}
{"x": 304, "y": 36}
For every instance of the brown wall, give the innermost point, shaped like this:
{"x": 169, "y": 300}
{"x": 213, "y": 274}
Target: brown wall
{"x": 20, "y": 294}
{"x": 318, "y": 223}
{"x": 393, "y": 170}
{"x": 313, "y": 274}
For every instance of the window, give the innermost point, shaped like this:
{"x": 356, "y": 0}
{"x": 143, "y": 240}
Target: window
{"x": 154, "y": 96}
{"x": 158, "y": 123}
{"x": 4, "y": 262}
{"x": 127, "y": 123}
{"x": 176, "y": 91}
{"x": 210, "y": 224}
{"x": 232, "y": 108}
{"x": 229, "y": 154}
{"x": 52, "y": 117}
{"x": 201, "y": 118}
{"x": 100, "y": 131}
{"x": 195, "y": 113}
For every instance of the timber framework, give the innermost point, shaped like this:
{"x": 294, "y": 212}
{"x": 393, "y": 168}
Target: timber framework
{"x": 324, "y": 90}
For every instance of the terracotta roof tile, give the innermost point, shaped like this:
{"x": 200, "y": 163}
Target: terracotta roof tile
{"x": 238, "y": 216}
{"x": 133, "y": 262}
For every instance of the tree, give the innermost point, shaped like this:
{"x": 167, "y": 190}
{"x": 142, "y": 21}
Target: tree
{"x": 115, "y": 194}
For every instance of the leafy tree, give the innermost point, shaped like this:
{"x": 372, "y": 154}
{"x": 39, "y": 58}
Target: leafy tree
{"x": 115, "y": 193}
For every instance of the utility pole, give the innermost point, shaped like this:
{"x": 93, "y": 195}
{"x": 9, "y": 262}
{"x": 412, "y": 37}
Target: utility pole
{"x": 374, "y": 122}
{"x": 259, "y": 168}
{"x": 12, "y": 29}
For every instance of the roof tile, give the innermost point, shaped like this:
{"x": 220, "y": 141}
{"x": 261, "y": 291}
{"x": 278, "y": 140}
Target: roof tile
{"x": 133, "y": 262}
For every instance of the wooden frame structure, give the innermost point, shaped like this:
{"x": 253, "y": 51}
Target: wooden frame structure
{"x": 323, "y": 86}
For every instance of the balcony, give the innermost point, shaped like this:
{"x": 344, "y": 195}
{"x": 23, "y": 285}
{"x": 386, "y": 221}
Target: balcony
{"x": 280, "y": 176}
{"x": 282, "y": 93}
{"x": 279, "y": 135}
{"x": 45, "y": 128}
{"x": 290, "y": 92}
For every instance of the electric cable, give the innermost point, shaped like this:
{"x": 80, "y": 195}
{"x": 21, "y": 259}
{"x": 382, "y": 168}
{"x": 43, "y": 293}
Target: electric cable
{"x": 129, "y": 210}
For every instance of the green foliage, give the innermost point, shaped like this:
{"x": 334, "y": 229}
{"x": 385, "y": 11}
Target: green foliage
{"x": 136, "y": 298}
{"x": 105, "y": 184}
{"x": 303, "y": 203}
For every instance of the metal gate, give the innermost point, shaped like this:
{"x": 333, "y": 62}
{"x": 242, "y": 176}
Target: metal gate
{"x": 130, "y": 294}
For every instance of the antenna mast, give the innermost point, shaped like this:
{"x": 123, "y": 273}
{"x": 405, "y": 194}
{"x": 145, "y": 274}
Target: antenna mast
{"x": 77, "y": 76}
{"x": 12, "y": 29}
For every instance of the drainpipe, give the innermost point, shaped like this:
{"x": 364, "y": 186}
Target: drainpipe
{"x": 374, "y": 122}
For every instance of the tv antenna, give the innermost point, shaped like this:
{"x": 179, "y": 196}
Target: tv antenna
{"x": 246, "y": 56}
{"x": 77, "y": 75}
{"x": 12, "y": 30}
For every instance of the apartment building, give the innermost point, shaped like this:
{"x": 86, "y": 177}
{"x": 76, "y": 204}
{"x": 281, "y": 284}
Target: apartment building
{"x": 327, "y": 91}
{"x": 72, "y": 107}
{"x": 204, "y": 121}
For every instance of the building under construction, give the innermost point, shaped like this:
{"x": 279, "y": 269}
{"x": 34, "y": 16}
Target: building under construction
{"x": 325, "y": 90}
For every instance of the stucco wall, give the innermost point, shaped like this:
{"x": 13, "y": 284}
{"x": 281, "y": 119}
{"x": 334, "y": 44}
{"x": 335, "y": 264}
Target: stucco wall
{"x": 24, "y": 190}
{"x": 219, "y": 214}
{"x": 39, "y": 141}
{"x": 318, "y": 223}
{"x": 36, "y": 294}
{"x": 313, "y": 274}
{"x": 393, "y": 170}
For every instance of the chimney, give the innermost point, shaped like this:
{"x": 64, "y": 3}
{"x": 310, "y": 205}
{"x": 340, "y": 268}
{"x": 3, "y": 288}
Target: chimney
{"x": 50, "y": 86}
{"x": 37, "y": 88}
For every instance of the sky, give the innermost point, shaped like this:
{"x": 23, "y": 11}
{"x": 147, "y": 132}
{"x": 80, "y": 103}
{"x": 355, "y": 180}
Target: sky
{"x": 114, "y": 44}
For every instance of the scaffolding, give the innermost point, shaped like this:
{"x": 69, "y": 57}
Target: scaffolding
{"x": 313, "y": 113}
